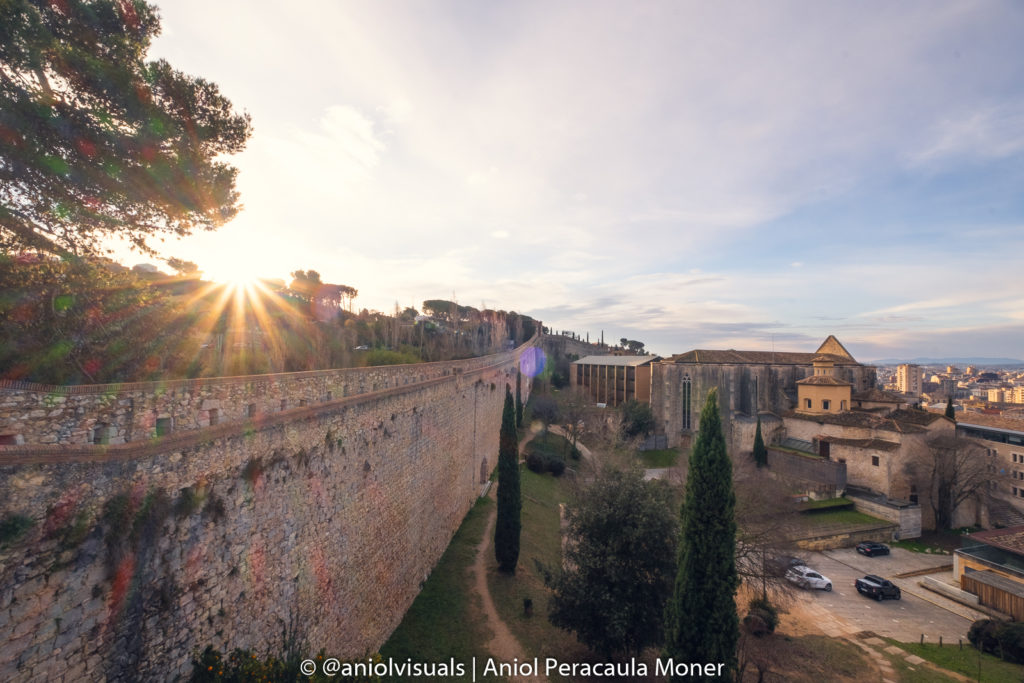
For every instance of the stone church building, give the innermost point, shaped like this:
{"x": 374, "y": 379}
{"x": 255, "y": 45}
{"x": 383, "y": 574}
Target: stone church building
{"x": 748, "y": 382}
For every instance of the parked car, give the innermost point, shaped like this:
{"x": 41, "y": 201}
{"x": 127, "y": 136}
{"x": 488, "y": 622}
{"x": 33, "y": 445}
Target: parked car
{"x": 878, "y": 588}
{"x": 805, "y": 577}
{"x": 871, "y": 549}
{"x": 781, "y": 564}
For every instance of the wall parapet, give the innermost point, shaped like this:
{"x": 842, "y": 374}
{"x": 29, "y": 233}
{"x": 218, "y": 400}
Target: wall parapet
{"x": 115, "y": 414}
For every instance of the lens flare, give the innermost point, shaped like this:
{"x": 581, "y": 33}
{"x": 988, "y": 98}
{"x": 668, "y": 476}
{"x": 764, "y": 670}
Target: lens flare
{"x": 532, "y": 361}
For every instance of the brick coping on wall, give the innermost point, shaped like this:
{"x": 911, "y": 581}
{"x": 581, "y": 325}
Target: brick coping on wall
{"x": 36, "y": 454}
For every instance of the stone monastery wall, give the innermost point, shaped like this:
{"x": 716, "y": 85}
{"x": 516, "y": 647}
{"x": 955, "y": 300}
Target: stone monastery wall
{"x": 325, "y": 517}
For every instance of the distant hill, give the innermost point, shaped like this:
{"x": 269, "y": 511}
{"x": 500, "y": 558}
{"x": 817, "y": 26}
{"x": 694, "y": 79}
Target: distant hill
{"x": 960, "y": 362}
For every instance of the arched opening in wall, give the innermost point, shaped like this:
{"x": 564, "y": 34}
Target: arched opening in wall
{"x": 483, "y": 471}
{"x": 687, "y": 407}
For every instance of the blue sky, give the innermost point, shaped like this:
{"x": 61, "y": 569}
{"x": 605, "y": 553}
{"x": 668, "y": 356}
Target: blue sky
{"x": 690, "y": 174}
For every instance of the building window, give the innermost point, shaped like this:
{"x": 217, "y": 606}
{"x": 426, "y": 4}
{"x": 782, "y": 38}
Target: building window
{"x": 826, "y": 404}
{"x": 687, "y": 425}
{"x": 842, "y": 405}
{"x": 1015, "y": 490}
{"x": 214, "y": 416}
{"x": 807, "y": 403}
{"x": 874, "y": 460}
{"x": 284, "y": 404}
{"x": 251, "y": 410}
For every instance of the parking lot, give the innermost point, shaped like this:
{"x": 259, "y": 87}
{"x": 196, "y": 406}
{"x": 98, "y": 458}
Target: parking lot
{"x": 919, "y": 612}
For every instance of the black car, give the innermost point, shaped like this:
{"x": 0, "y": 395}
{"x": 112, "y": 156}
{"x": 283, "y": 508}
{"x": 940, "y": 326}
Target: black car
{"x": 871, "y": 549}
{"x": 878, "y": 588}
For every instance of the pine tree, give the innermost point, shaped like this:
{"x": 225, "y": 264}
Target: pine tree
{"x": 98, "y": 142}
{"x": 508, "y": 524}
{"x": 701, "y": 620}
{"x": 949, "y": 408}
{"x": 519, "y": 399}
{"x": 760, "y": 452}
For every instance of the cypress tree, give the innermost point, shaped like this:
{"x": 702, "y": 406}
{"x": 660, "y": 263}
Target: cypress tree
{"x": 508, "y": 524}
{"x": 701, "y": 620}
{"x": 519, "y": 399}
{"x": 760, "y": 452}
{"x": 949, "y": 408}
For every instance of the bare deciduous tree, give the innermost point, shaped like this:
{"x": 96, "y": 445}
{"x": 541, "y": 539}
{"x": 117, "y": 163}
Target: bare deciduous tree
{"x": 764, "y": 520}
{"x": 952, "y": 470}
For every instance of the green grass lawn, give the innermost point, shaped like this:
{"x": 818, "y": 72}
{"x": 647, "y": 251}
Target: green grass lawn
{"x": 659, "y": 458}
{"x": 540, "y": 541}
{"x": 832, "y": 517}
{"x": 843, "y": 503}
{"x": 965, "y": 661}
{"x": 916, "y": 545}
{"x": 444, "y": 620}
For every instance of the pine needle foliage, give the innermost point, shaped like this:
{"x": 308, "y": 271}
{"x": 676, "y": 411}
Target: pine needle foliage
{"x": 701, "y": 620}
{"x": 508, "y": 524}
{"x": 760, "y": 451}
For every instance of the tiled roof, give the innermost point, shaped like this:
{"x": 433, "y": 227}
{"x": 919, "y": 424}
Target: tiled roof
{"x": 825, "y": 380}
{"x": 995, "y": 421}
{"x": 622, "y": 361}
{"x": 875, "y": 395}
{"x": 732, "y": 357}
{"x": 871, "y": 444}
{"x": 917, "y": 417}
{"x": 857, "y": 418}
{"x": 1010, "y": 539}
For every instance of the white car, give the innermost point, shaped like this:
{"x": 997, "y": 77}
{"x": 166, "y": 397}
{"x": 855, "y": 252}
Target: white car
{"x": 805, "y": 577}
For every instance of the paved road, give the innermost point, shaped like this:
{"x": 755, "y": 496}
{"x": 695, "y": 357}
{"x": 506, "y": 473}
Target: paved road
{"x": 919, "y": 611}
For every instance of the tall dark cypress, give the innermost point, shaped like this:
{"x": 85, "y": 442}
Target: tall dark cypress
{"x": 701, "y": 621}
{"x": 519, "y": 399}
{"x": 508, "y": 524}
{"x": 950, "y": 413}
{"x": 760, "y": 452}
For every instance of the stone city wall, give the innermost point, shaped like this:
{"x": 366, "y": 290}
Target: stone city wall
{"x": 325, "y": 518}
{"x": 122, "y": 413}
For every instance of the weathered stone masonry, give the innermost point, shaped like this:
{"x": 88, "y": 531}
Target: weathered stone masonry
{"x": 328, "y": 516}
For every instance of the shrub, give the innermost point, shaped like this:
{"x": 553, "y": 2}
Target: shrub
{"x": 1003, "y": 639}
{"x": 556, "y": 466}
{"x": 762, "y": 617}
{"x": 535, "y": 461}
{"x": 637, "y": 418}
{"x": 1011, "y": 642}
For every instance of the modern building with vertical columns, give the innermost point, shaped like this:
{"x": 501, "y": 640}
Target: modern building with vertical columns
{"x": 613, "y": 380}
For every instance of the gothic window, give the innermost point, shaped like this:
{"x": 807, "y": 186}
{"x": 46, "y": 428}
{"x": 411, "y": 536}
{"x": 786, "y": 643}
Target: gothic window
{"x": 687, "y": 423}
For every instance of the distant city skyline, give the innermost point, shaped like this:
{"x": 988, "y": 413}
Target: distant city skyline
{"x": 691, "y": 175}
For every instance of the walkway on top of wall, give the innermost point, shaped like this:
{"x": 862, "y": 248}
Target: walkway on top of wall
{"x": 27, "y": 454}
